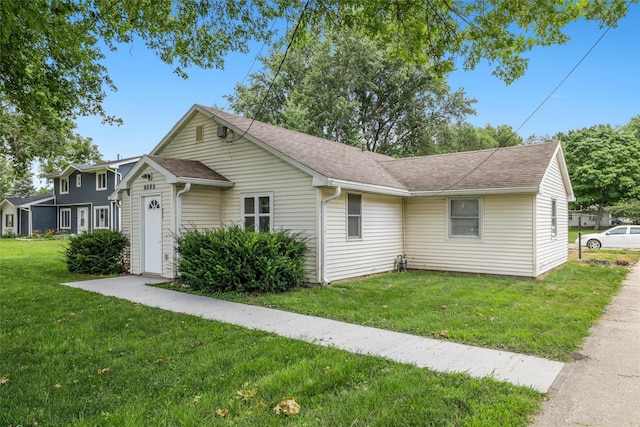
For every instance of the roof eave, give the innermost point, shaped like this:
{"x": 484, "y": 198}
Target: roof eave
{"x": 476, "y": 191}
{"x": 359, "y": 186}
{"x": 200, "y": 181}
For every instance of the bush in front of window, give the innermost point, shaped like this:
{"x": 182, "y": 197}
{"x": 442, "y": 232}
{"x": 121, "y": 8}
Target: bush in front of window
{"x": 232, "y": 259}
{"x": 97, "y": 252}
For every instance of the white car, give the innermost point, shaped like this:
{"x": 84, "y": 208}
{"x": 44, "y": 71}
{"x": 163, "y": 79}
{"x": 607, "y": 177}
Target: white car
{"x": 622, "y": 236}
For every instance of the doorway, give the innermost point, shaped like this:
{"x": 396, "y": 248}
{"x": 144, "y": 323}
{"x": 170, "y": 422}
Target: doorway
{"x": 151, "y": 235}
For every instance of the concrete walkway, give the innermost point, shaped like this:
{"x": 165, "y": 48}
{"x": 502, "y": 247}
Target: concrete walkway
{"x": 437, "y": 355}
{"x": 602, "y": 387}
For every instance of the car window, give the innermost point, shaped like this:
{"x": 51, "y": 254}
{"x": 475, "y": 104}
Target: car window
{"x": 635, "y": 230}
{"x": 618, "y": 230}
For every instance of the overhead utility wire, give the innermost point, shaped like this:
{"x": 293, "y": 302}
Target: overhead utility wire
{"x": 543, "y": 102}
{"x": 284, "y": 57}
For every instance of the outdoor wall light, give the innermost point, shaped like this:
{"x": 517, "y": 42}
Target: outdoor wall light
{"x": 146, "y": 176}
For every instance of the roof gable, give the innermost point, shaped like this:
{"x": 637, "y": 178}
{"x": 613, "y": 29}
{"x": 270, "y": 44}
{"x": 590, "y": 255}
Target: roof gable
{"x": 175, "y": 171}
{"x": 28, "y": 201}
{"x": 519, "y": 168}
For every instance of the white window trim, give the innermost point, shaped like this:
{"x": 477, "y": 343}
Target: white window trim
{"x": 106, "y": 182}
{"x": 78, "y": 181}
{"x": 60, "y": 186}
{"x": 256, "y": 215}
{"x": 554, "y": 218}
{"x": 346, "y": 201}
{"x": 480, "y": 219}
{"x": 62, "y": 226}
{"x": 95, "y": 217}
{"x": 6, "y": 220}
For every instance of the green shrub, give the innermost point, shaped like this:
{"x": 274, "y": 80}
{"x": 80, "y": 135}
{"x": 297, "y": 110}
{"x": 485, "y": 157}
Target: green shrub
{"x": 97, "y": 252}
{"x": 233, "y": 259}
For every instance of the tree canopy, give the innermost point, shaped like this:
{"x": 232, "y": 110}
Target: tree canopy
{"x": 604, "y": 166}
{"x": 345, "y": 88}
{"x": 51, "y": 51}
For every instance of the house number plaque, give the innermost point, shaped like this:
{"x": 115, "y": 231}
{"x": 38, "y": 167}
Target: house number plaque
{"x": 149, "y": 187}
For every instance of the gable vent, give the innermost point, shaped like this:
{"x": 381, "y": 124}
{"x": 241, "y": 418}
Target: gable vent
{"x": 222, "y": 131}
{"x": 199, "y": 133}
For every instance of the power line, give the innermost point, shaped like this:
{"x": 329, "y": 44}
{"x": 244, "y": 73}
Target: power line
{"x": 284, "y": 57}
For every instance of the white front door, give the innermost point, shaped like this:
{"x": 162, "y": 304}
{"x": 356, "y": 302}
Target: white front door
{"x": 152, "y": 235}
{"x": 83, "y": 220}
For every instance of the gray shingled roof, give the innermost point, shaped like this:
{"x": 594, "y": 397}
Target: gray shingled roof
{"x": 509, "y": 167}
{"x": 328, "y": 158}
{"x": 188, "y": 168}
{"x": 19, "y": 201}
{"x": 522, "y": 166}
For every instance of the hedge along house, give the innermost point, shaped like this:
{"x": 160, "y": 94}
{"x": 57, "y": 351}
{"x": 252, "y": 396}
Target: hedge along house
{"x": 500, "y": 211}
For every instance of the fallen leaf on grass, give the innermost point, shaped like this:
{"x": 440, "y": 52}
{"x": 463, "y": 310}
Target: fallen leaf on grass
{"x": 287, "y": 406}
{"x": 103, "y": 371}
{"x": 58, "y": 385}
{"x": 246, "y": 394}
{"x": 196, "y": 399}
{"x": 222, "y": 412}
{"x": 63, "y": 320}
{"x": 4, "y": 379}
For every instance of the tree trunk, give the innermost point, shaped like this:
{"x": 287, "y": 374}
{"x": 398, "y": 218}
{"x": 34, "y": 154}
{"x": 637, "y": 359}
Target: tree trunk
{"x": 600, "y": 214}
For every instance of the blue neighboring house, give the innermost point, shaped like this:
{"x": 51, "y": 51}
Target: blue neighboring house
{"x": 82, "y": 195}
{"x": 24, "y": 215}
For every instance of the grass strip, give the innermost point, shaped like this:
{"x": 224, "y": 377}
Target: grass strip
{"x": 74, "y": 358}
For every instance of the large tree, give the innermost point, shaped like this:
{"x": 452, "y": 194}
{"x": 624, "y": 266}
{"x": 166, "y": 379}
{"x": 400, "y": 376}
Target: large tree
{"x": 604, "y": 166}
{"x": 463, "y": 136}
{"x": 346, "y": 88}
{"x": 51, "y": 51}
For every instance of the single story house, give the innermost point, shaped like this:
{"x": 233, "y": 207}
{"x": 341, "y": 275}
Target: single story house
{"x": 24, "y": 215}
{"x": 500, "y": 211}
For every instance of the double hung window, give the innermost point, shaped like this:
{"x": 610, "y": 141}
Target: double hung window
{"x": 257, "y": 211}
{"x": 464, "y": 217}
{"x": 354, "y": 216}
{"x": 65, "y": 218}
{"x": 101, "y": 217}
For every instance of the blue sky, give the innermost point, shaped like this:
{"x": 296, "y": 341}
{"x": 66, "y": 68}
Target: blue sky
{"x": 604, "y": 89}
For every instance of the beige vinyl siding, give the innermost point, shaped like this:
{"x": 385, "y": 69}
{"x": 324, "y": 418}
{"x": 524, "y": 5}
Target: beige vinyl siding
{"x": 505, "y": 246}
{"x": 167, "y": 199}
{"x": 12, "y": 210}
{"x": 381, "y": 240}
{"x": 253, "y": 170}
{"x": 201, "y": 208}
{"x": 551, "y": 251}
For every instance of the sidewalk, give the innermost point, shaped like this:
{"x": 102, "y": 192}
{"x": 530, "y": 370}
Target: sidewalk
{"x": 437, "y": 355}
{"x": 602, "y": 388}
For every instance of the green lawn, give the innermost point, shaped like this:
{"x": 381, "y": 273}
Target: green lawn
{"x": 573, "y": 232}
{"x": 74, "y": 358}
{"x": 548, "y": 317}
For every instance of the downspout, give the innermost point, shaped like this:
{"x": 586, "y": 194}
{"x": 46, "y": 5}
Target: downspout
{"x": 323, "y": 234}
{"x": 179, "y": 195}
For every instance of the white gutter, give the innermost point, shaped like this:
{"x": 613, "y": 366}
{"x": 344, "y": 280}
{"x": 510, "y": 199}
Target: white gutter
{"x": 323, "y": 234}
{"x": 179, "y": 195}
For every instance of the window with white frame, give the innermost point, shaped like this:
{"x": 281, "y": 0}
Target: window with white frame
{"x": 65, "y": 218}
{"x": 554, "y": 217}
{"x": 101, "y": 217}
{"x": 64, "y": 185}
{"x": 78, "y": 180}
{"x": 257, "y": 211}
{"x": 464, "y": 217}
{"x": 101, "y": 181}
{"x": 354, "y": 216}
{"x": 8, "y": 220}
